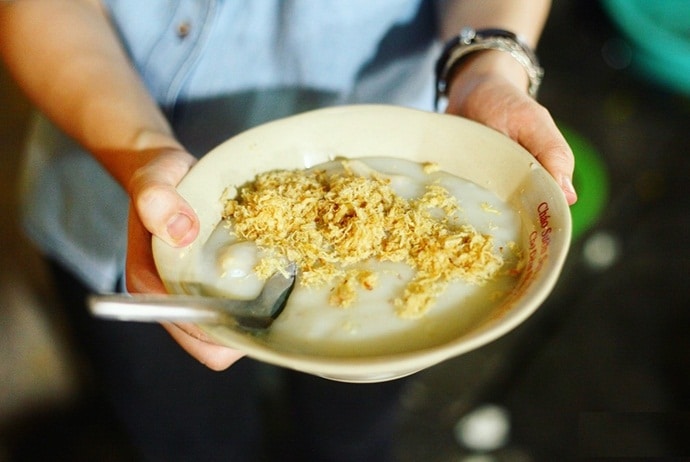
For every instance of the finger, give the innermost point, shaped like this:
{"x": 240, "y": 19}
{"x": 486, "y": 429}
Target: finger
{"x": 524, "y": 120}
{"x": 141, "y": 275}
{"x": 162, "y": 211}
{"x": 544, "y": 140}
{"x": 199, "y": 346}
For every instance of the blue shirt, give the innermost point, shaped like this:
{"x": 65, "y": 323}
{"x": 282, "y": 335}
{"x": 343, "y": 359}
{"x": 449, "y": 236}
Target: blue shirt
{"x": 217, "y": 67}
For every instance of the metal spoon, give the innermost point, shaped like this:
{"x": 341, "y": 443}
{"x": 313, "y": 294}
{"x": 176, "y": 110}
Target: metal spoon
{"x": 253, "y": 315}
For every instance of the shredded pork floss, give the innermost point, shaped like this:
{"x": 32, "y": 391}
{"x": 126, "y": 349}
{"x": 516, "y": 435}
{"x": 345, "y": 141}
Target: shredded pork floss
{"x": 331, "y": 223}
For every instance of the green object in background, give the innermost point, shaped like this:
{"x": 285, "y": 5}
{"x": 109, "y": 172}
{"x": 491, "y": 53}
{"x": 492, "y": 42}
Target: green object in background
{"x": 590, "y": 180}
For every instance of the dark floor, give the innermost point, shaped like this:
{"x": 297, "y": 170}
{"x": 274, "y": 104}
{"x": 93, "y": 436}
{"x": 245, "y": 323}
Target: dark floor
{"x": 602, "y": 371}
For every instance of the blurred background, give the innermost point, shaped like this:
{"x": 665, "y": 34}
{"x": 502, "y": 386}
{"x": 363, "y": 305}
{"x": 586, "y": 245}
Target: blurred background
{"x": 602, "y": 371}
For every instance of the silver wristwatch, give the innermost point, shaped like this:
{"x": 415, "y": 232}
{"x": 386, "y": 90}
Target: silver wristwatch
{"x": 470, "y": 40}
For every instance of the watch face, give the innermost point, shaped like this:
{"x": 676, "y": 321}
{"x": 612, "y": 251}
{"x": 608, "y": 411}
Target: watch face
{"x": 467, "y": 34}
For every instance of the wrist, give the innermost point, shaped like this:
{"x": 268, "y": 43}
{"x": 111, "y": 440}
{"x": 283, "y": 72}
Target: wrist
{"x": 485, "y": 65}
{"x": 473, "y": 52}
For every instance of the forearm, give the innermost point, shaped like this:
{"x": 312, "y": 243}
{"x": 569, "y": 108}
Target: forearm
{"x": 525, "y": 18}
{"x": 67, "y": 58}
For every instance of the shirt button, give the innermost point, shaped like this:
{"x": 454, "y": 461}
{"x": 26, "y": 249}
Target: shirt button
{"x": 183, "y": 29}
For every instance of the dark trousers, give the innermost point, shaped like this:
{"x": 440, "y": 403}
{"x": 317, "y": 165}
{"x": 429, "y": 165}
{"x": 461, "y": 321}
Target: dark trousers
{"x": 174, "y": 409}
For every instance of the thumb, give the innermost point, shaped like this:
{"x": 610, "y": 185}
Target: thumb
{"x": 543, "y": 139}
{"x": 163, "y": 212}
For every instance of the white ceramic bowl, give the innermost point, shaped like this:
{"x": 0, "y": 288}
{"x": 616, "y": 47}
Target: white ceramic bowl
{"x": 461, "y": 147}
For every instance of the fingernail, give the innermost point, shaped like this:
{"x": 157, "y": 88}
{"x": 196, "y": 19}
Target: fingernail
{"x": 567, "y": 185}
{"x": 179, "y": 226}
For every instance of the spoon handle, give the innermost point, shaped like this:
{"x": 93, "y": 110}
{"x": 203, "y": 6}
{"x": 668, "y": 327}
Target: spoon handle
{"x": 153, "y": 308}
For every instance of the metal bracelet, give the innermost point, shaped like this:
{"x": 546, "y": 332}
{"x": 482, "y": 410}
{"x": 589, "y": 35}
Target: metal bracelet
{"x": 470, "y": 41}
